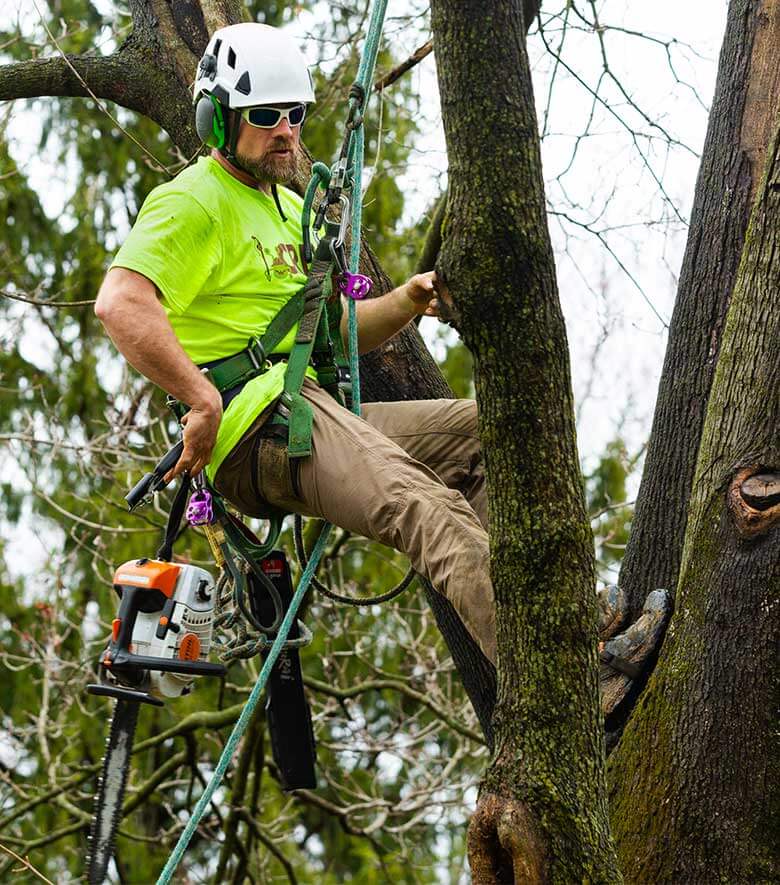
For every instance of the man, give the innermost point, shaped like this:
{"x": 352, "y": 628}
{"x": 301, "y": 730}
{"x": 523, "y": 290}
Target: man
{"x": 213, "y": 256}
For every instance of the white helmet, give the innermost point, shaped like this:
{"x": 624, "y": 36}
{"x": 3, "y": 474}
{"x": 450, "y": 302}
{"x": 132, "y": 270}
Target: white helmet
{"x": 250, "y": 64}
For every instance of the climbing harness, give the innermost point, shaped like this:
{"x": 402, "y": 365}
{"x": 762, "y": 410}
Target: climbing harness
{"x": 252, "y": 602}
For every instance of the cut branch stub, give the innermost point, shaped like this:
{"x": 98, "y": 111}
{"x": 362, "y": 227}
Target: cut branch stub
{"x": 762, "y": 490}
{"x": 504, "y": 844}
{"x": 754, "y": 501}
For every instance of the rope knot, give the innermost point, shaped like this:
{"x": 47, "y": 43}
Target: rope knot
{"x": 358, "y": 92}
{"x": 357, "y": 98}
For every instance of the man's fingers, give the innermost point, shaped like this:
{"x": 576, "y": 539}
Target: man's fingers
{"x": 182, "y": 465}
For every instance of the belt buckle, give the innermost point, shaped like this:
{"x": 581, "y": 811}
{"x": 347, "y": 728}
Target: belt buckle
{"x": 260, "y": 365}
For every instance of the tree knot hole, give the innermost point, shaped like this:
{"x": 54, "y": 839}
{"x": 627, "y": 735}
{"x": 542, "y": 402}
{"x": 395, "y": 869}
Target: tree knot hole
{"x": 504, "y": 843}
{"x": 754, "y": 500}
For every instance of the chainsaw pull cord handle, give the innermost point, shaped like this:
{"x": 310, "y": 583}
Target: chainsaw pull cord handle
{"x": 173, "y": 528}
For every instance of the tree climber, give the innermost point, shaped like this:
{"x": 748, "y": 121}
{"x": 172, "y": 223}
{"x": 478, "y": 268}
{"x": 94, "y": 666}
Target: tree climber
{"x": 212, "y": 258}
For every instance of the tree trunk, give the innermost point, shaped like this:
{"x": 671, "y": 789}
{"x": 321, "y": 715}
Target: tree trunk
{"x": 542, "y": 813}
{"x": 740, "y": 126}
{"x": 696, "y": 777}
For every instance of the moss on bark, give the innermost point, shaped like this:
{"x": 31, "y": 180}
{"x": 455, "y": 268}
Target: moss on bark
{"x": 498, "y": 262}
{"x": 695, "y": 779}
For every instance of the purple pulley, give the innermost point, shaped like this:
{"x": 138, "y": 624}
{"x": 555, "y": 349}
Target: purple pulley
{"x": 354, "y": 285}
{"x": 200, "y": 510}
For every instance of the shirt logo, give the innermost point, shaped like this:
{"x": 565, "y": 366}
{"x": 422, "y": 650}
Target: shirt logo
{"x": 279, "y": 264}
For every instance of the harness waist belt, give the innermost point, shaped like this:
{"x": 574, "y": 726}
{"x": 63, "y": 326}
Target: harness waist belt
{"x": 234, "y": 371}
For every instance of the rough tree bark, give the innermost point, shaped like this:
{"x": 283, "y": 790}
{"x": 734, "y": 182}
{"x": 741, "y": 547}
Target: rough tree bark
{"x": 696, "y": 778}
{"x": 542, "y": 812}
{"x": 740, "y": 126}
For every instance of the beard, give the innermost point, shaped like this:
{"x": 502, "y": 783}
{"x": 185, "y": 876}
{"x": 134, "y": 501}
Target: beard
{"x": 271, "y": 168}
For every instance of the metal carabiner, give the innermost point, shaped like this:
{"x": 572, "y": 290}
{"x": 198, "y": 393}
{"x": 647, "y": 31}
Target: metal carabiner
{"x": 343, "y": 221}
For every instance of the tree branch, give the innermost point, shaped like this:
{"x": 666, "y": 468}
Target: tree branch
{"x": 397, "y": 72}
{"x": 401, "y": 688}
{"x": 113, "y": 77}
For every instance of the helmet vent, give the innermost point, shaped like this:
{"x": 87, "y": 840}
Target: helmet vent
{"x": 231, "y": 58}
{"x": 244, "y": 85}
{"x": 217, "y": 46}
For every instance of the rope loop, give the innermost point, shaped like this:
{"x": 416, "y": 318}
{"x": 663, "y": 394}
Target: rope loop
{"x": 320, "y": 177}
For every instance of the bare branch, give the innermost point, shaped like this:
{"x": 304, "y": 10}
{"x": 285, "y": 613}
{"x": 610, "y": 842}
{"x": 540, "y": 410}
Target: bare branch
{"x": 414, "y": 59}
{"x": 42, "y": 302}
{"x": 26, "y": 863}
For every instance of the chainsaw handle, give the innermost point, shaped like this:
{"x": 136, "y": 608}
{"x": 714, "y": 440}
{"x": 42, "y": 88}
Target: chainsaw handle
{"x": 153, "y": 482}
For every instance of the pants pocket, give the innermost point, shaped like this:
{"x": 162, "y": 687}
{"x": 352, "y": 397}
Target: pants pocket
{"x": 276, "y": 474}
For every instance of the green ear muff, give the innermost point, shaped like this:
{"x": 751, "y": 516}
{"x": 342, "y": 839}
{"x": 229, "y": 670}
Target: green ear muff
{"x": 210, "y": 121}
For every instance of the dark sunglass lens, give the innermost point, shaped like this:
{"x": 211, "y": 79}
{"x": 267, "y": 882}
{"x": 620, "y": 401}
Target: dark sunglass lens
{"x": 296, "y": 115}
{"x": 264, "y": 116}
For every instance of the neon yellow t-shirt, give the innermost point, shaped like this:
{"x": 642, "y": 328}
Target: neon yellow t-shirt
{"x": 225, "y": 263}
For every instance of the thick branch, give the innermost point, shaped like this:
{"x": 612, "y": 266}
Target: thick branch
{"x": 128, "y": 77}
{"x": 113, "y": 77}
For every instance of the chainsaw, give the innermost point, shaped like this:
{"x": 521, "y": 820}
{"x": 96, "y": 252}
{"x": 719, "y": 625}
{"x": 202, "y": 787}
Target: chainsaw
{"x": 159, "y": 643}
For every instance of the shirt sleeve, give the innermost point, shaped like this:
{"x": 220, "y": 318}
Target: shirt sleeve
{"x": 176, "y": 244}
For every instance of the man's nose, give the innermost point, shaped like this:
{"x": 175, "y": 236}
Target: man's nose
{"x": 283, "y": 127}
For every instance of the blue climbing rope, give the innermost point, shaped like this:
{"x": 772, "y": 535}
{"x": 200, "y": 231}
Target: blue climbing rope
{"x": 364, "y": 79}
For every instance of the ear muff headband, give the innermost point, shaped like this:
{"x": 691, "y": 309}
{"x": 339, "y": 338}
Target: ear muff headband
{"x": 210, "y": 121}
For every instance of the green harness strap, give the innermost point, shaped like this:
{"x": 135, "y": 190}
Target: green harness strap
{"x": 250, "y": 362}
{"x": 318, "y": 342}
{"x": 312, "y": 329}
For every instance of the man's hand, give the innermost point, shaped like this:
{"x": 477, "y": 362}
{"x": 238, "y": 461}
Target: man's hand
{"x": 424, "y": 295}
{"x": 200, "y": 424}
{"x": 426, "y": 292}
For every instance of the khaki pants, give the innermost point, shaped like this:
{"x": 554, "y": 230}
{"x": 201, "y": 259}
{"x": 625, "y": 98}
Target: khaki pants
{"x": 406, "y": 474}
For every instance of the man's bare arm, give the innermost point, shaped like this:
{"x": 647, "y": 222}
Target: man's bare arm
{"x": 130, "y": 310}
{"x": 381, "y": 318}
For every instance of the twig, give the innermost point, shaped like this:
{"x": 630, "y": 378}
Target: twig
{"x": 26, "y": 862}
{"x": 40, "y": 302}
{"x": 401, "y": 688}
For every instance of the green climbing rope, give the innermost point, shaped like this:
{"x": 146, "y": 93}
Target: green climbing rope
{"x": 364, "y": 79}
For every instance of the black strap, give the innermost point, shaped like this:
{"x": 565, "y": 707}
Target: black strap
{"x": 275, "y": 192}
{"x": 174, "y": 519}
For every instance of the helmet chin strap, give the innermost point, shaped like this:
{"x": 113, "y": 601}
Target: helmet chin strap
{"x": 275, "y": 193}
{"x": 232, "y": 125}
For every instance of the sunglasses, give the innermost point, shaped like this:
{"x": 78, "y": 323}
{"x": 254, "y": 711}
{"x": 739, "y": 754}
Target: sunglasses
{"x": 270, "y": 117}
